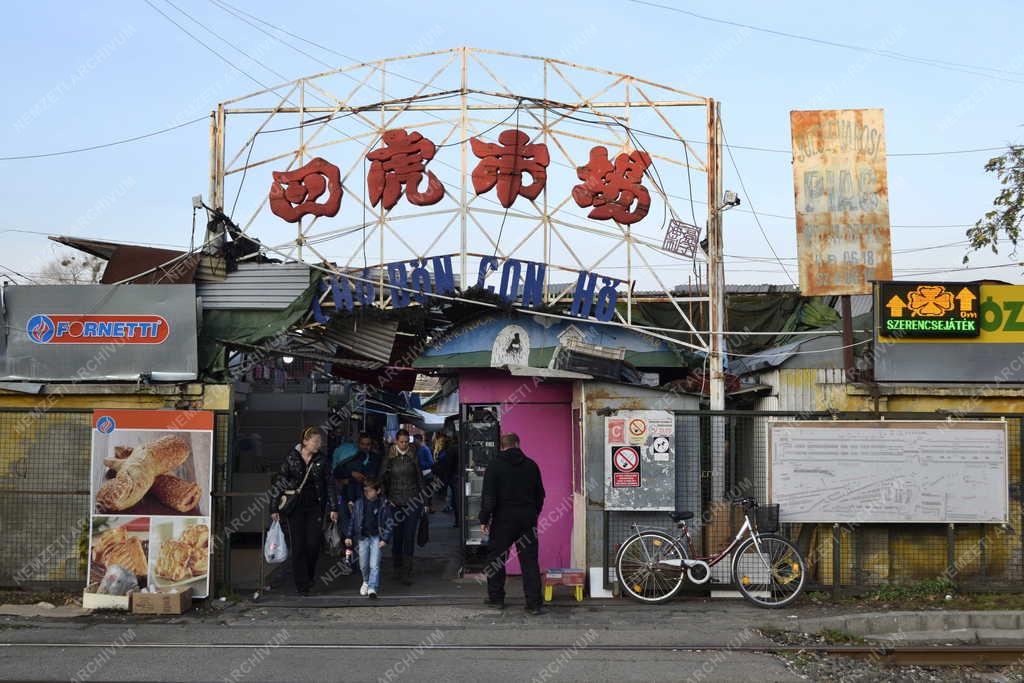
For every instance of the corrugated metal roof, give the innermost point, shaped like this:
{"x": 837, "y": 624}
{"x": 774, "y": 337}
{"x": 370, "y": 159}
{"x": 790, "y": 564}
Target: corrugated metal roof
{"x": 267, "y": 286}
{"x": 859, "y": 304}
{"x": 369, "y": 338}
{"x": 702, "y": 290}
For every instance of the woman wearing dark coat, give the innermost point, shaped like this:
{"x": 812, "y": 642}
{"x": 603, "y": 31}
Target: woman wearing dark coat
{"x": 319, "y": 495}
{"x": 406, "y": 493}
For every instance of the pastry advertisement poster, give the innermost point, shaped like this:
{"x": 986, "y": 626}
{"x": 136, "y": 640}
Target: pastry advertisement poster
{"x": 151, "y": 474}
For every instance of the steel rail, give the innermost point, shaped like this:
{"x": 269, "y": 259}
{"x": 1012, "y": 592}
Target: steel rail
{"x": 905, "y": 655}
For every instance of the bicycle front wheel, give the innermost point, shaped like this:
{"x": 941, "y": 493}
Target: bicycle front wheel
{"x": 650, "y": 567}
{"x": 772, "y": 577}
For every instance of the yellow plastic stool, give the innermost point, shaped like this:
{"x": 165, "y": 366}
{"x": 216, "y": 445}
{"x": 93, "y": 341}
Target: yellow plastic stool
{"x": 563, "y": 577}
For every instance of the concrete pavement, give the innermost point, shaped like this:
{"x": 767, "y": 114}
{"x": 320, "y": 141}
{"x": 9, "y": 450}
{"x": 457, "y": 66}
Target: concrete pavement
{"x": 435, "y": 642}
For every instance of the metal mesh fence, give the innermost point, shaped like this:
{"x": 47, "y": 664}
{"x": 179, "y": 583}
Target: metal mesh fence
{"x": 849, "y": 555}
{"x": 44, "y": 495}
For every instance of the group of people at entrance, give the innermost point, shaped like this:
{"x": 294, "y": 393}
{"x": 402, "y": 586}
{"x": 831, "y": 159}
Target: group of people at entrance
{"x": 377, "y": 501}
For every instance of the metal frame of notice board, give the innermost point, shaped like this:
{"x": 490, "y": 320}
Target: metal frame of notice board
{"x": 932, "y": 424}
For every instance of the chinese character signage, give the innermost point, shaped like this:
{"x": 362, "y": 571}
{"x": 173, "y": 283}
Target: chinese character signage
{"x": 842, "y": 200}
{"x": 932, "y": 309}
{"x": 514, "y": 167}
{"x": 150, "y": 498}
{"x": 612, "y": 190}
{"x": 681, "y": 238}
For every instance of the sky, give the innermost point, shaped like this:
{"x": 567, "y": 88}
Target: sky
{"x": 81, "y": 74}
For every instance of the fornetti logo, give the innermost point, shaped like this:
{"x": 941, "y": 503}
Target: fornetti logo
{"x": 97, "y": 329}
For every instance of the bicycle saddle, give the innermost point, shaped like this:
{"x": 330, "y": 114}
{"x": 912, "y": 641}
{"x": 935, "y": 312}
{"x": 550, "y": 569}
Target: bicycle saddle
{"x": 680, "y": 515}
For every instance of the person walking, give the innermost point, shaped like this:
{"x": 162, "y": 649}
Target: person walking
{"x": 513, "y": 496}
{"x": 406, "y": 491}
{"x": 306, "y": 470}
{"x": 363, "y": 464}
{"x": 425, "y": 455}
{"x": 446, "y": 469}
{"x": 369, "y": 529}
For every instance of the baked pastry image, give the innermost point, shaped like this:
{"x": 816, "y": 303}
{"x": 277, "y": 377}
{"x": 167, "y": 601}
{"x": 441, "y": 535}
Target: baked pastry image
{"x": 121, "y": 545}
{"x": 137, "y": 471}
{"x": 197, "y": 536}
{"x": 175, "y": 561}
{"x": 176, "y": 493}
{"x": 185, "y": 557}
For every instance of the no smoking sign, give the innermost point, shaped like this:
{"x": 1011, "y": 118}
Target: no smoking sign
{"x": 625, "y": 467}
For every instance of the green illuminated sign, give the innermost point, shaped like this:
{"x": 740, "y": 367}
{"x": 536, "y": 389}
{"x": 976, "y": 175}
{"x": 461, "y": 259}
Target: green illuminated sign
{"x": 928, "y": 309}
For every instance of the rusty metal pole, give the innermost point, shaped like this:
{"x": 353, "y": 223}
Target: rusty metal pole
{"x": 716, "y": 266}
{"x": 847, "y": 338}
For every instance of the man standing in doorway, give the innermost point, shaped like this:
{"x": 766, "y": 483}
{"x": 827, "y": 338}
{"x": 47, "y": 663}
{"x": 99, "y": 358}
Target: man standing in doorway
{"x": 513, "y": 496}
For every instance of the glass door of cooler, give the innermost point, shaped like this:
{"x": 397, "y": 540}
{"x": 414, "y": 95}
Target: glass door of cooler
{"x": 480, "y": 432}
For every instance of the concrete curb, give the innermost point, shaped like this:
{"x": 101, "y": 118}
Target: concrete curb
{"x": 961, "y": 627}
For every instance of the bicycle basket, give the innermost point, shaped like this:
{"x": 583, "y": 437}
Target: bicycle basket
{"x": 767, "y": 518}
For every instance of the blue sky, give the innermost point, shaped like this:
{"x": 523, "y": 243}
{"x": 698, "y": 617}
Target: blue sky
{"x": 86, "y": 73}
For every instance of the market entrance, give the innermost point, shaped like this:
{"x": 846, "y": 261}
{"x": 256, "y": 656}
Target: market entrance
{"x": 272, "y": 410}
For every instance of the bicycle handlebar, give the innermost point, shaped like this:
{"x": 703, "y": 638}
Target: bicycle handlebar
{"x": 747, "y": 502}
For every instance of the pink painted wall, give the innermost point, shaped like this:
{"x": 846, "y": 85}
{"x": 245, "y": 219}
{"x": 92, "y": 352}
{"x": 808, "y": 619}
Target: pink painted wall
{"x": 541, "y": 415}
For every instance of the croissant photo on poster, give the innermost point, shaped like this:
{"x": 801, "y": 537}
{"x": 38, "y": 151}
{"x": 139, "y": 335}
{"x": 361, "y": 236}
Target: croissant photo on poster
{"x": 151, "y": 474}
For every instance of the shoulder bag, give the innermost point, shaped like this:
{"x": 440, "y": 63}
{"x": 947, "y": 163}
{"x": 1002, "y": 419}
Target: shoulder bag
{"x": 290, "y": 497}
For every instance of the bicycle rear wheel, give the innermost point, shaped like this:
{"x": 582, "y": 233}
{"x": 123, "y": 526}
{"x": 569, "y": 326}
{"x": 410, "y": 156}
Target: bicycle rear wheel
{"x": 772, "y": 578}
{"x": 650, "y": 567}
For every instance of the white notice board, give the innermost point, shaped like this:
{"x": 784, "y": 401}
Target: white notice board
{"x": 889, "y": 471}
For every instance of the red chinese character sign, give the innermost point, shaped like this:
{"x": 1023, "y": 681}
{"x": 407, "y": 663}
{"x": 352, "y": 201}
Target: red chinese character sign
{"x": 504, "y": 164}
{"x": 402, "y": 163}
{"x": 615, "y": 191}
{"x": 294, "y": 194}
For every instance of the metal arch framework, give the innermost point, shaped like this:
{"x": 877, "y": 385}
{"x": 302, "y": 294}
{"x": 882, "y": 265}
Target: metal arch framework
{"x": 456, "y": 95}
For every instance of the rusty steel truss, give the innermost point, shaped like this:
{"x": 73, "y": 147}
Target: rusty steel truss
{"x": 451, "y": 96}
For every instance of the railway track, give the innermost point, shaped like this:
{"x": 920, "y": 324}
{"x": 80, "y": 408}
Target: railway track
{"x": 962, "y": 655}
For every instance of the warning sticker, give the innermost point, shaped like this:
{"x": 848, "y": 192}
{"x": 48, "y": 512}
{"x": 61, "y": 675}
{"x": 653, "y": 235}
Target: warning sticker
{"x": 626, "y": 480}
{"x": 625, "y": 467}
{"x": 637, "y": 430}
{"x": 616, "y": 430}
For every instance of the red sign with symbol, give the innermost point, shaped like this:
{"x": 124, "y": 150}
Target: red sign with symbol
{"x": 625, "y": 467}
{"x": 616, "y": 431}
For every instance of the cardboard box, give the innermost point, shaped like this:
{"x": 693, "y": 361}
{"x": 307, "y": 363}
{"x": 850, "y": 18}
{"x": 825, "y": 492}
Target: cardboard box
{"x": 93, "y": 600}
{"x": 162, "y": 603}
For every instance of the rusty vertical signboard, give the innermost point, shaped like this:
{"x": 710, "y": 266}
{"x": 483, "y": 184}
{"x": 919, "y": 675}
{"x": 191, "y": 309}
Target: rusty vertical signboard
{"x": 842, "y": 200}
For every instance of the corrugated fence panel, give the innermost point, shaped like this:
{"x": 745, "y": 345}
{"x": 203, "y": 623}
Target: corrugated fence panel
{"x": 267, "y": 286}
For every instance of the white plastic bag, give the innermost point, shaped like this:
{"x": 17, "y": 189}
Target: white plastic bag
{"x": 118, "y": 581}
{"x": 275, "y": 550}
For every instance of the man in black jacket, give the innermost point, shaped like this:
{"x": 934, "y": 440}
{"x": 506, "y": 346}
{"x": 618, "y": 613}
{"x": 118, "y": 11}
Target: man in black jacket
{"x": 513, "y": 496}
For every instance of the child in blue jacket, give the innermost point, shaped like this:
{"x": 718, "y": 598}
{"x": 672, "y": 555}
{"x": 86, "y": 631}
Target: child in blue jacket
{"x": 370, "y": 528}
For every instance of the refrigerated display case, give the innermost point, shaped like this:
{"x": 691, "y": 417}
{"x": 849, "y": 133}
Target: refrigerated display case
{"x": 480, "y": 432}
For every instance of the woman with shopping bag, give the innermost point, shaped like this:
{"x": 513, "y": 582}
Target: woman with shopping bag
{"x": 303, "y": 493}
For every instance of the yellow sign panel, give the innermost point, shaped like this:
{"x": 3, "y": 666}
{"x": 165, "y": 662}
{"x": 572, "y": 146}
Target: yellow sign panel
{"x": 1000, "y": 311}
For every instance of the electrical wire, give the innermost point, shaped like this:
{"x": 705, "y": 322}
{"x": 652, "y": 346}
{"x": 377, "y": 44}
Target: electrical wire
{"x": 20, "y": 157}
{"x": 757, "y": 219}
{"x": 794, "y": 353}
{"x": 889, "y": 54}
{"x": 25, "y": 277}
{"x": 208, "y": 47}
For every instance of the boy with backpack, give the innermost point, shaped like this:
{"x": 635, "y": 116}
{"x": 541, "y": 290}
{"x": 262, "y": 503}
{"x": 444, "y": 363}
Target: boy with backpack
{"x": 369, "y": 528}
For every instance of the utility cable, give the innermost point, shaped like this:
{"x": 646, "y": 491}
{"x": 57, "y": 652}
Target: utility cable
{"x": 889, "y": 54}
{"x": 90, "y": 148}
{"x": 757, "y": 219}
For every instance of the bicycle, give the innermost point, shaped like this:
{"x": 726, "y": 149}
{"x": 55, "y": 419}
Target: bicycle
{"x": 767, "y": 569}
